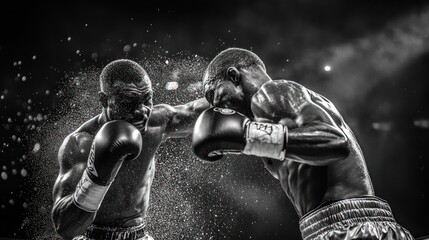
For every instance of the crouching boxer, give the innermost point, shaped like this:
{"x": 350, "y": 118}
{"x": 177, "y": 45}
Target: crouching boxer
{"x": 303, "y": 142}
{"x": 107, "y": 165}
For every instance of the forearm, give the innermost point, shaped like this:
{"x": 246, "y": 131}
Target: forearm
{"x": 198, "y": 106}
{"x": 318, "y": 143}
{"x": 184, "y": 117}
{"x": 315, "y": 144}
{"x": 70, "y": 220}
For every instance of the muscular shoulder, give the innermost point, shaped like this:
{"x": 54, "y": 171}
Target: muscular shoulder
{"x": 74, "y": 149}
{"x": 285, "y": 87}
{"x": 279, "y": 99}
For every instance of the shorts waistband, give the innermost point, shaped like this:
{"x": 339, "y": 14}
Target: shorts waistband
{"x": 105, "y": 232}
{"x": 345, "y": 212}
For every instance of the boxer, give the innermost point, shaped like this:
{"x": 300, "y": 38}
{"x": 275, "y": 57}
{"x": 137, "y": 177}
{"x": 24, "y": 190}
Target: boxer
{"x": 106, "y": 166}
{"x": 303, "y": 141}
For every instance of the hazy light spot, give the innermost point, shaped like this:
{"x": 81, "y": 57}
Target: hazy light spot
{"x": 171, "y": 86}
{"x": 327, "y": 68}
{"x": 4, "y": 175}
{"x": 69, "y": 39}
{"x": 382, "y": 126}
{"x": 421, "y": 123}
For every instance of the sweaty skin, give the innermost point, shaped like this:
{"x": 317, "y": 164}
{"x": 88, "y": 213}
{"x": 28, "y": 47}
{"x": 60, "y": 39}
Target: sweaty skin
{"x": 323, "y": 161}
{"x": 127, "y": 199}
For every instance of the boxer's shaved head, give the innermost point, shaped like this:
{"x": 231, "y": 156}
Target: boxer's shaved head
{"x": 125, "y": 71}
{"x": 231, "y": 57}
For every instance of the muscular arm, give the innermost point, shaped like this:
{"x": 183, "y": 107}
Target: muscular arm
{"x": 314, "y": 134}
{"x": 179, "y": 120}
{"x": 68, "y": 219}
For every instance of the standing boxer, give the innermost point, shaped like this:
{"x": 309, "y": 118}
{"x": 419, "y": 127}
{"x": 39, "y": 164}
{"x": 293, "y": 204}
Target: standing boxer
{"x": 304, "y": 143}
{"x": 107, "y": 165}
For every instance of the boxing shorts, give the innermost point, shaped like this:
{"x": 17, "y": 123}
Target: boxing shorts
{"x": 96, "y": 232}
{"x": 356, "y": 218}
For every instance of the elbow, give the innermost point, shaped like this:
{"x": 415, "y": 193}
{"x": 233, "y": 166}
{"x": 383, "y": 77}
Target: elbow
{"x": 60, "y": 229}
{"x": 66, "y": 232}
{"x": 342, "y": 149}
{"x": 63, "y": 227}
{"x": 337, "y": 151}
{"x": 63, "y": 233}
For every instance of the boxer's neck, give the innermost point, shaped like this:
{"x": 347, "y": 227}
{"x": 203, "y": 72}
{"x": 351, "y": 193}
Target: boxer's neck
{"x": 256, "y": 77}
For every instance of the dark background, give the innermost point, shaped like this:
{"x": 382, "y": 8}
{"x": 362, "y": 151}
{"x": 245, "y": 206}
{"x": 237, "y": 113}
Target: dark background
{"x": 51, "y": 55}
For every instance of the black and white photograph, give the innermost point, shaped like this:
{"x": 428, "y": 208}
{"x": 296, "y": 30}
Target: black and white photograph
{"x": 214, "y": 120}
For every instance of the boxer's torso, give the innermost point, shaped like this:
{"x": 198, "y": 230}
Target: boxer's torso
{"x": 308, "y": 186}
{"x": 127, "y": 200}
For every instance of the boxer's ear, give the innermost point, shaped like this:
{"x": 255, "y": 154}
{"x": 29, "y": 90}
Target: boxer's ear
{"x": 103, "y": 99}
{"x": 233, "y": 75}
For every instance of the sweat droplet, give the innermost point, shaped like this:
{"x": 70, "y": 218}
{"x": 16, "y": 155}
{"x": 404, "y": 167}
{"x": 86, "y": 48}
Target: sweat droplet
{"x": 23, "y": 172}
{"x": 36, "y": 147}
{"x": 4, "y": 175}
{"x": 127, "y": 48}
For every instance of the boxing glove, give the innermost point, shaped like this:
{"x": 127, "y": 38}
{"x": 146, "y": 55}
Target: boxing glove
{"x": 115, "y": 142}
{"x": 220, "y": 131}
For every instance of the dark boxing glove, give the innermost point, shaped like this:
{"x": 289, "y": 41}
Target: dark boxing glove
{"x": 115, "y": 142}
{"x": 220, "y": 131}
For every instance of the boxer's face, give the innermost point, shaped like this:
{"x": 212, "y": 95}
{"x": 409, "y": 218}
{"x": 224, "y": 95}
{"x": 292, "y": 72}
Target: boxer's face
{"x": 131, "y": 102}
